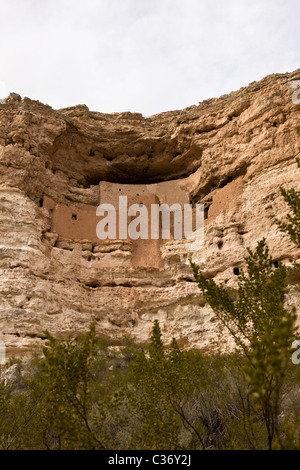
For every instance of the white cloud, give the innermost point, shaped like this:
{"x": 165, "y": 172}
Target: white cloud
{"x": 2, "y": 90}
{"x": 146, "y": 56}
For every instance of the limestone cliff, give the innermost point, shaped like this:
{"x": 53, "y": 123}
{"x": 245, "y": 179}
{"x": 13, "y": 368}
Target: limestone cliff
{"x": 230, "y": 153}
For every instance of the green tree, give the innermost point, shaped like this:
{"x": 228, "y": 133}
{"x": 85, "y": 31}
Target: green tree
{"x": 67, "y": 410}
{"x": 157, "y": 426}
{"x": 182, "y": 399}
{"x": 262, "y": 328}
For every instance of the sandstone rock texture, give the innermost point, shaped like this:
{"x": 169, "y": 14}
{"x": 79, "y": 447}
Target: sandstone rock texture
{"x": 230, "y": 153}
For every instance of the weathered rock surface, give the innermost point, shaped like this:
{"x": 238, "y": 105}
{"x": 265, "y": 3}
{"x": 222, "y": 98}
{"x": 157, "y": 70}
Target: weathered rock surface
{"x": 231, "y": 153}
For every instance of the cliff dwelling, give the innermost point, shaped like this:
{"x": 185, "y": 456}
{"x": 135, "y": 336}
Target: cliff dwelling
{"x": 59, "y": 166}
{"x": 79, "y": 223}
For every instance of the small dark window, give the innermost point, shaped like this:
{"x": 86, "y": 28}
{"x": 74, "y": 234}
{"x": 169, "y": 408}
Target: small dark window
{"x": 74, "y": 216}
{"x": 220, "y": 244}
{"x": 137, "y": 194}
{"x": 41, "y": 202}
{"x": 275, "y": 124}
{"x": 276, "y": 264}
{"x": 92, "y": 153}
{"x": 206, "y": 209}
{"x": 236, "y": 271}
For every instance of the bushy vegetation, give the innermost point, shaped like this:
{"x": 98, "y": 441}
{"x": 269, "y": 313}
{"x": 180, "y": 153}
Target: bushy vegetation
{"x": 88, "y": 395}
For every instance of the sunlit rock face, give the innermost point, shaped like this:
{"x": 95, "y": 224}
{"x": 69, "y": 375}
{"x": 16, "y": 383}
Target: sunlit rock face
{"x": 230, "y": 154}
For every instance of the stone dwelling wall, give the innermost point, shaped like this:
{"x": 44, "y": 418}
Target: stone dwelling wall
{"x": 73, "y": 223}
{"x": 80, "y": 223}
{"x": 225, "y": 199}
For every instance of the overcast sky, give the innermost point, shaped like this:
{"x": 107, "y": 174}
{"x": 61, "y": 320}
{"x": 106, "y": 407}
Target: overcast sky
{"x": 143, "y": 56}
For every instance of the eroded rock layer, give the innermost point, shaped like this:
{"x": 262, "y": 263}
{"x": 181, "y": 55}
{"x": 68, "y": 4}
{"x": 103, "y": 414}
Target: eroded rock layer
{"x": 231, "y": 154}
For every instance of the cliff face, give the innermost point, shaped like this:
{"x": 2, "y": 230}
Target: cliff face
{"x": 231, "y": 153}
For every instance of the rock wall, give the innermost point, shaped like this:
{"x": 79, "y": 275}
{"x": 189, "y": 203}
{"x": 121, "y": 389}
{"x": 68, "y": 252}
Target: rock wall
{"x": 231, "y": 154}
